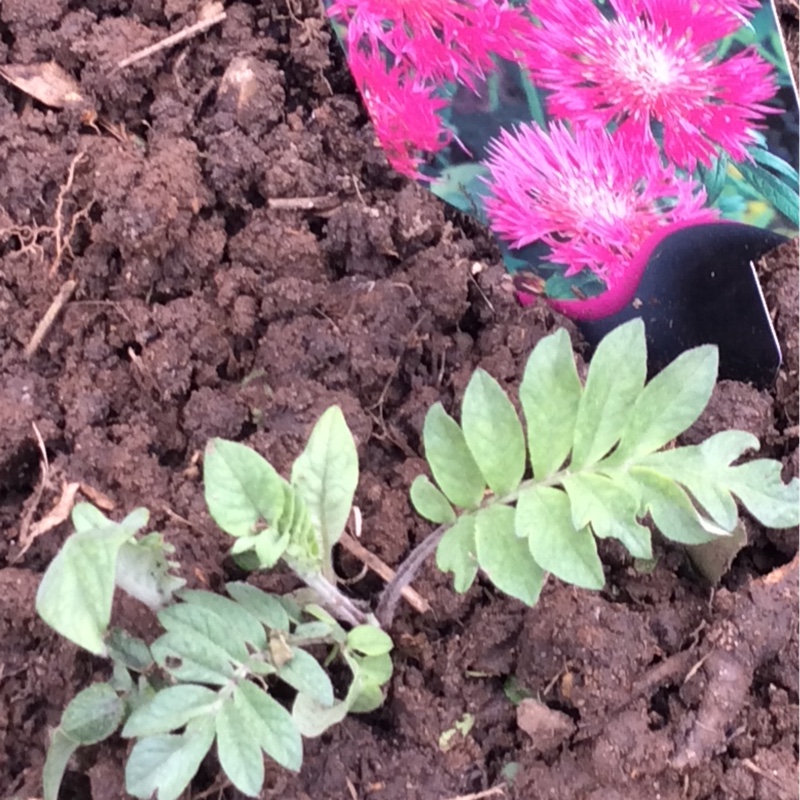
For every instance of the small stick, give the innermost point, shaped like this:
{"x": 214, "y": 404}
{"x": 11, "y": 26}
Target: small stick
{"x": 493, "y": 792}
{"x": 175, "y": 38}
{"x": 323, "y": 203}
{"x": 63, "y": 296}
{"x": 414, "y": 599}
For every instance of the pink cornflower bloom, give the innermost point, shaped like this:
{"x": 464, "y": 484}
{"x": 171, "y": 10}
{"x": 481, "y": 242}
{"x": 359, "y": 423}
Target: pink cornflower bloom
{"x": 653, "y": 61}
{"x": 434, "y": 40}
{"x": 592, "y": 196}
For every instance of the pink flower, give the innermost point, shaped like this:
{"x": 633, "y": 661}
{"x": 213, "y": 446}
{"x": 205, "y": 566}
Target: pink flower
{"x": 593, "y": 197}
{"x": 653, "y": 61}
{"x": 434, "y": 40}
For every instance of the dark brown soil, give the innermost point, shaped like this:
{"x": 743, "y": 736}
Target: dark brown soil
{"x": 205, "y": 308}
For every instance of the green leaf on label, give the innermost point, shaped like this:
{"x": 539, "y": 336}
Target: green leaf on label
{"x": 610, "y": 509}
{"x": 93, "y": 714}
{"x": 616, "y": 378}
{"x": 164, "y": 765}
{"x": 235, "y": 616}
{"x": 504, "y": 557}
{"x": 544, "y": 519}
{"x": 430, "y": 503}
{"x": 326, "y": 474}
{"x": 550, "y": 393}
{"x": 450, "y": 460}
{"x": 456, "y": 553}
{"x": 303, "y": 672}
{"x": 264, "y": 607}
{"x": 775, "y": 191}
{"x": 369, "y": 640}
{"x": 242, "y": 490}
{"x": 76, "y": 592}
{"x": 169, "y": 709}
{"x": 493, "y": 433}
{"x": 671, "y": 402}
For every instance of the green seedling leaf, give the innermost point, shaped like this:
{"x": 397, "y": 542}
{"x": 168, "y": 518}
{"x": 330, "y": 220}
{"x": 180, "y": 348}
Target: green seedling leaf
{"x": 376, "y": 670}
{"x": 326, "y": 474}
{"x": 163, "y": 765}
{"x": 269, "y": 546}
{"x": 456, "y": 553}
{"x": 759, "y": 486}
{"x": 303, "y": 672}
{"x": 312, "y": 630}
{"x": 59, "y": 753}
{"x": 550, "y": 393}
{"x": 616, "y": 378}
{"x": 86, "y": 517}
{"x": 493, "y": 433}
{"x": 128, "y": 650}
{"x": 143, "y": 571}
{"x": 264, "y": 607}
{"x": 369, "y": 697}
{"x": 504, "y": 557}
{"x": 430, "y": 503}
{"x": 450, "y": 460}
{"x": 713, "y": 559}
{"x": 169, "y": 709}
{"x": 242, "y": 490}
{"x": 313, "y": 719}
{"x": 369, "y": 640}
{"x": 239, "y": 751}
{"x": 76, "y": 592}
{"x": 672, "y": 511}
{"x": 461, "y": 727}
{"x": 671, "y": 402}
{"x": 239, "y": 621}
{"x": 93, "y": 714}
{"x": 544, "y": 520}
{"x": 610, "y": 509}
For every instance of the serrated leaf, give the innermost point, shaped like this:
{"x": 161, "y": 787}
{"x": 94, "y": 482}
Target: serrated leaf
{"x": 430, "y": 503}
{"x": 783, "y": 197}
{"x": 610, "y": 509}
{"x": 165, "y": 764}
{"x": 303, "y": 672}
{"x": 616, "y": 378}
{"x": 59, "y": 752}
{"x": 169, "y": 709}
{"x": 313, "y": 719}
{"x": 143, "y": 572}
{"x": 241, "y": 488}
{"x": 456, "y": 553}
{"x": 207, "y": 624}
{"x": 550, "y": 393}
{"x": 239, "y": 751}
{"x": 189, "y": 657}
{"x": 326, "y": 474}
{"x": 241, "y": 623}
{"x": 504, "y": 557}
{"x": 369, "y": 640}
{"x": 671, "y": 509}
{"x": 671, "y": 402}
{"x": 451, "y": 462}
{"x": 93, "y": 714}
{"x": 772, "y": 502}
{"x": 264, "y": 607}
{"x": 493, "y": 433}
{"x": 544, "y": 520}
{"x": 271, "y": 725}
{"x": 76, "y": 592}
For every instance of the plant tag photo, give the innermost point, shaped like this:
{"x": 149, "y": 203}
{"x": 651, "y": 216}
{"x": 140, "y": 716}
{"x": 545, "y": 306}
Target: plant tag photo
{"x": 633, "y": 158}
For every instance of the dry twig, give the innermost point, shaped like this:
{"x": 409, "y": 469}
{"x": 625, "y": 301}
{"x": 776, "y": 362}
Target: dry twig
{"x": 60, "y": 300}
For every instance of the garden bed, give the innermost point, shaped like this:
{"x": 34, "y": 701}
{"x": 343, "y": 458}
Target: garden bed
{"x": 243, "y": 260}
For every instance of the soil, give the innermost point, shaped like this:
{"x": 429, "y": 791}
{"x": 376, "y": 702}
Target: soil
{"x": 244, "y": 258}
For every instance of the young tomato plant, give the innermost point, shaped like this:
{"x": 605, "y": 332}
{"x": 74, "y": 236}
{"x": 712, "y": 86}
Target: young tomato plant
{"x": 598, "y": 470}
{"x": 208, "y": 677}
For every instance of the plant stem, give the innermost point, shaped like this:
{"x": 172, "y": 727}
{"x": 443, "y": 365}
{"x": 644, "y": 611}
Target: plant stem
{"x": 341, "y": 606}
{"x": 406, "y": 573}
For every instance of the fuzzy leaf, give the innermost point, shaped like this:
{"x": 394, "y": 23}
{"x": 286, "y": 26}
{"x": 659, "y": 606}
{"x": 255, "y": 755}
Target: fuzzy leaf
{"x": 165, "y": 764}
{"x": 544, "y": 519}
{"x": 240, "y": 622}
{"x": 615, "y": 380}
{"x": 450, "y": 460}
{"x": 93, "y": 714}
{"x": 550, "y": 393}
{"x": 430, "y": 503}
{"x": 610, "y": 509}
{"x": 242, "y": 489}
{"x": 169, "y": 709}
{"x": 312, "y": 719}
{"x": 239, "y": 751}
{"x": 143, "y": 571}
{"x": 325, "y": 475}
{"x": 59, "y": 752}
{"x": 264, "y": 607}
{"x": 493, "y": 433}
{"x": 671, "y": 402}
{"x": 456, "y": 553}
{"x": 772, "y": 502}
{"x": 303, "y": 672}
{"x": 369, "y": 640}
{"x": 504, "y": 557}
